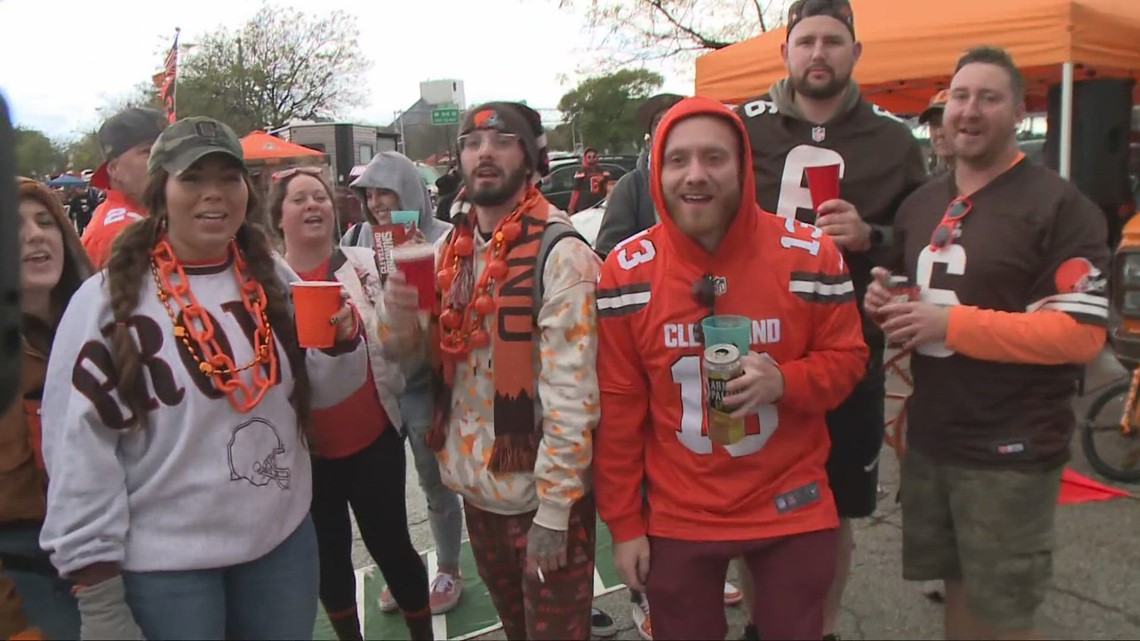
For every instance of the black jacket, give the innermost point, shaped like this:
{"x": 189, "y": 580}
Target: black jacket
{"x": 629, "y": 208}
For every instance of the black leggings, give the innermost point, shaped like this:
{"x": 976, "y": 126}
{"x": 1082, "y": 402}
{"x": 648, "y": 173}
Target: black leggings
{"x": 372, "y": 482}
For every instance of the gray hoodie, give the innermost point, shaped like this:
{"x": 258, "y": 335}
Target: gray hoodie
{"x": 392, "y": 170}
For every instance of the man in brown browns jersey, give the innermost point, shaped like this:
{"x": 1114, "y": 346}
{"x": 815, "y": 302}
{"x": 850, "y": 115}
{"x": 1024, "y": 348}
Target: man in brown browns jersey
{"x": 817, "y": 116}
{"x": 1009, "y": 259}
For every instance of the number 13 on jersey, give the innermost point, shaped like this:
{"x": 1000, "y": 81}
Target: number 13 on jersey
{"x": 686, "y": 373}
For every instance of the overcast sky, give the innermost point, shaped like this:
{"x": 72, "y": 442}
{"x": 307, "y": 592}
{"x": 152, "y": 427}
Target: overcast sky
{"x": 60, "y": 60}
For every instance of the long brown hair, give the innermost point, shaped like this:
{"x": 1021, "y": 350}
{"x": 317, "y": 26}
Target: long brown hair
{"x": 129, "y": 265}
{"x": 76, "y": 265}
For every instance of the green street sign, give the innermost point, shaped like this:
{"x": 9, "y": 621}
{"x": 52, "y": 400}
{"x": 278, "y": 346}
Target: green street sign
{"x": 445, "y": 116}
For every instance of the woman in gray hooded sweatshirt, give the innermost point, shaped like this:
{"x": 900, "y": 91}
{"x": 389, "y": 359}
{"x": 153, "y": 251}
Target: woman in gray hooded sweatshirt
{"x": 390, "y": 183}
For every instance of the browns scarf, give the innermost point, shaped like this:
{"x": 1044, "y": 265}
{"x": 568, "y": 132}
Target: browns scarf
{"x": 512, "y": 337}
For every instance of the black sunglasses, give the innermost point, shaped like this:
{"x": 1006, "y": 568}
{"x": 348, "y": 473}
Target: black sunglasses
{"x": 704, "y": 293}
{"x": 944, "y": 233}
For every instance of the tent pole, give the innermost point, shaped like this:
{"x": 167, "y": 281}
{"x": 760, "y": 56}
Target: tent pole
{"x": 1064, "y": 164}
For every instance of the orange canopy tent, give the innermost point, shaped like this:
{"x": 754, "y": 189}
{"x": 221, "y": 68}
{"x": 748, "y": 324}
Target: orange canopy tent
{"x": 261, "y": 148}
{"x": 910, "y": 47}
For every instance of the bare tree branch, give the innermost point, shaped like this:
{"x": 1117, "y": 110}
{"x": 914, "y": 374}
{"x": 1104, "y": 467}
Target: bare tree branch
{"x": 760, "y": 15}
{"x": 281, "y": 65}
{"x": 628, "y": 32}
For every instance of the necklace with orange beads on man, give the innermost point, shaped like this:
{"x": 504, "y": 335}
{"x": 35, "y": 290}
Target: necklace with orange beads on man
{"x": 463, "y": 325}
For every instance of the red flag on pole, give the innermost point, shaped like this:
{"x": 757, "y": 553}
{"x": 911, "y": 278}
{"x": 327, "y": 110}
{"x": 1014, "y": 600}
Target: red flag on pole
{"x": 165, "y": 80}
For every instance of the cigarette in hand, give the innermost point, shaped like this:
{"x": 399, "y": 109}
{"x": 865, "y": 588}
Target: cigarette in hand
{"x": 541, "y": 579}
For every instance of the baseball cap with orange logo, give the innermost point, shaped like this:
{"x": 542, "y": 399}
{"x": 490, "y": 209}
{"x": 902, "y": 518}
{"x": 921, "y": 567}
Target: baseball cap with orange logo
{"x": 937, "y": 106}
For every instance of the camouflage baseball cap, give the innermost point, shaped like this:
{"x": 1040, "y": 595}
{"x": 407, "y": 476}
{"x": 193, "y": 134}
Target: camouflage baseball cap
{"x": 190, "y": 139}
{"x": 123, "y": 131}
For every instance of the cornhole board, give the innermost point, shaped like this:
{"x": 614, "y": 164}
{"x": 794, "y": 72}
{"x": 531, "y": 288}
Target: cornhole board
{"x": 474, "y": 616}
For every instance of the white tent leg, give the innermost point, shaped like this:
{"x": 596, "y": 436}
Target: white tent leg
{"x": 1064, "y": 165}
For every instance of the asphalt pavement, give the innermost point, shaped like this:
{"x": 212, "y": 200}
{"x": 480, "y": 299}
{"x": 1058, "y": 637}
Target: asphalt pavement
{"x": 1095, "y": 592}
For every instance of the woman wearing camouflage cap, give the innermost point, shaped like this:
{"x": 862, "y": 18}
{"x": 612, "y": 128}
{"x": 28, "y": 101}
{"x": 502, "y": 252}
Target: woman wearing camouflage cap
{"x": 176, "y": 406}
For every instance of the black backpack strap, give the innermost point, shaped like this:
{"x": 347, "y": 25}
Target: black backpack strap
{"x": 555, "y": 231}
{"x": 355, "y": 236}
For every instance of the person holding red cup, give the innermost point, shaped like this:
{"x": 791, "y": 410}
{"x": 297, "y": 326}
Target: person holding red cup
{"x": 358, "y": 447}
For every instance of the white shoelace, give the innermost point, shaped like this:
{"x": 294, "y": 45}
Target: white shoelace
{"x": 443, "y": 582}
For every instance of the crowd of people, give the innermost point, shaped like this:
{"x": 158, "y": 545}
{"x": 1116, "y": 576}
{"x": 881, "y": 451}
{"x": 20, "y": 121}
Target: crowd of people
{"x": 181, "y": 467}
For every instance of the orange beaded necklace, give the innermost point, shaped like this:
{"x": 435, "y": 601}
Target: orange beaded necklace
{"x": 461, "y": 322}
{"x": 196, "y": 331}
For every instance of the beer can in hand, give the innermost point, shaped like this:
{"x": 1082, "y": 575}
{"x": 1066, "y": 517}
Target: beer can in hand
{"x": 722, "y": 364}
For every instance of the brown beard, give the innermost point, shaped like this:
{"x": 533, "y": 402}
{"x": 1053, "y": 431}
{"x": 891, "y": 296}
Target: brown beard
{"x": 830, "y": 90}
{"x": 495, "y": 196}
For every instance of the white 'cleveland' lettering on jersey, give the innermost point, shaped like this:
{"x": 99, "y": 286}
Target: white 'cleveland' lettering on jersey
{"x": 793, "y": 194}
{"x": 954, "y": 257}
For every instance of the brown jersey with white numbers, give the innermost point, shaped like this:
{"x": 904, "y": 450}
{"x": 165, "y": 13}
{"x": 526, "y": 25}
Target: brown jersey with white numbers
{"x": 1030, "y": 242}
{"x": 880, "y": 164}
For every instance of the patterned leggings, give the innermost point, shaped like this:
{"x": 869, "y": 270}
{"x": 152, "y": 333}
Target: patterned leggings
{"x": 556, "y": 609}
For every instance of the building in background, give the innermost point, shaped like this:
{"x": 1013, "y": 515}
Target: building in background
{"x": 423, "y": 135}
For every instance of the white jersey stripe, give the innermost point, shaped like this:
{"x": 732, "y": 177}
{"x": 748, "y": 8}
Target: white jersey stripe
{"x": 820, "y": 289}
{"x": 625, "y": 300}
{"x": 1080, "y": 298}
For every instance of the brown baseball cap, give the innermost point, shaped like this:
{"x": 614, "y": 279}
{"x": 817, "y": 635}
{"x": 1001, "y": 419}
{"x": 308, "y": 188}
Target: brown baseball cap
{"x": 654, "y": 106}
{"x": 838, "y": 9}
{"x": 937, "y": 105}
{"x": 123, "y": 131}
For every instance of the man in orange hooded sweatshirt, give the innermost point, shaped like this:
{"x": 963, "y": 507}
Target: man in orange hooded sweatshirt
{"x": 762, "y": 495}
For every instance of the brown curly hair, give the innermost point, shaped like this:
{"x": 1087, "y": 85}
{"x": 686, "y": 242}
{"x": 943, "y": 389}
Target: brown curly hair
{"x": 129, "y": 265}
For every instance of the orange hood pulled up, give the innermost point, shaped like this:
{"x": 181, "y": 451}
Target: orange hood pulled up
{"x": 741, "y": 235}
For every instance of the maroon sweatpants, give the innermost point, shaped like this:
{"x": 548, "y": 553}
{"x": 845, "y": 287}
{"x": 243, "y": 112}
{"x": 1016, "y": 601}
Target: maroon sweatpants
{"x": 556, "y": 609}
{"x": 792, "y": 576}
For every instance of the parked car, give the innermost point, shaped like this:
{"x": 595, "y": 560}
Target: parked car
{"x": 559, "y": 184}
{"x": 589, "y": 221}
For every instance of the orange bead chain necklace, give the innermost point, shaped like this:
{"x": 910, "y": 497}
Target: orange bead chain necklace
{"x": 461, "y": 322}
{"x": 196, "y": 329}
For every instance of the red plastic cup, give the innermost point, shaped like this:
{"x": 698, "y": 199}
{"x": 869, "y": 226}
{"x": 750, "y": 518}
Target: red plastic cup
{"x": 314, "y": 303}
{"x": 385, "y": 238}
{"x": 417, "y": 263}
{"x": 823, "y": 183}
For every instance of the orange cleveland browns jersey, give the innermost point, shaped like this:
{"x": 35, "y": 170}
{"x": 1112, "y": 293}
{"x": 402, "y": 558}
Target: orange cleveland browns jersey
{"x": 108, "y": 219}
{"x": 790, "y": 280}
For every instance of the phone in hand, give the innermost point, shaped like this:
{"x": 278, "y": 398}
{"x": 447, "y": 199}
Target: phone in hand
{"x": 9, "y": 263}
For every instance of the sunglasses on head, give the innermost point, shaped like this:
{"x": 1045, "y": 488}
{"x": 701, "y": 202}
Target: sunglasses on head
{"x": 944, "y": 233}
{"x": 704, "y": 293}
{"x": 285, "y": 174}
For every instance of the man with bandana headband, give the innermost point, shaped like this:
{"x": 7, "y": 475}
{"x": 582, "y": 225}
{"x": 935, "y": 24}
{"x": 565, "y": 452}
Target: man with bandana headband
{"x": 817, "y": 116}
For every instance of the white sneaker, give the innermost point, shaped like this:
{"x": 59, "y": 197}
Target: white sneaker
{"x": 445, "y": 592}
{"x": 387, "y": 602}
{"x": 641, "y": 618}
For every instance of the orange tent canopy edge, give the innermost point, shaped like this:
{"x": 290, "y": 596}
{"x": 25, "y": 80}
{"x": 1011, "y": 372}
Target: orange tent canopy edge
{"x": 909, "y": 48}
{"x": 260, "y": 146}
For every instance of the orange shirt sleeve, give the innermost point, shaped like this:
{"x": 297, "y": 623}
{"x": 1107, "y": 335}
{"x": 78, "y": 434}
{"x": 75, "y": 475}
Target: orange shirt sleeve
{"x": 619, "y": 443}
{"x": 1042, "y": 337}
{"x": 837, "y": 356}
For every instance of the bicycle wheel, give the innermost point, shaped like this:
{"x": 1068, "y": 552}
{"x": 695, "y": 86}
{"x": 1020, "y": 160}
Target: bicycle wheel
{"x": 1111, "y": 453}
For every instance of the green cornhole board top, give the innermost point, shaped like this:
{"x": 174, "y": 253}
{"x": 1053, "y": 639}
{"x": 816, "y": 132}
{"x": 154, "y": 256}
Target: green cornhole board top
{"x": 474, "y": 616}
